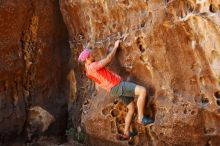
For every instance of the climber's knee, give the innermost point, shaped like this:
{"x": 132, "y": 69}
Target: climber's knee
{"x": 140, "y": 91}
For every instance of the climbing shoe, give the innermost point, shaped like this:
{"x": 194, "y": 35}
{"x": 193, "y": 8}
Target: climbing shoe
{"x": 146, "y": 120}
{"x": 124, "y": 136}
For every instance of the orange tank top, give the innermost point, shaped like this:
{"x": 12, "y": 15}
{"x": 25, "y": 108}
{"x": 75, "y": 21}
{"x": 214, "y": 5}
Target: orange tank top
{"x": 105, "y": 78}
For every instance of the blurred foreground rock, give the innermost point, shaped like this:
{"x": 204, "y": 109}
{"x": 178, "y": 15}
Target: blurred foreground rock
{"x": 34, "y": 64}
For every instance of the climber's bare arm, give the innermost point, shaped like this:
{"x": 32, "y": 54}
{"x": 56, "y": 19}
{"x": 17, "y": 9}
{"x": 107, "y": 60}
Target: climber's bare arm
{"x": 109, "y": 57}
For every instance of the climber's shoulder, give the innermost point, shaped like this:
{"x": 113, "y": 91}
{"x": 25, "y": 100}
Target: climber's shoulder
{"x": 95, "y": 65}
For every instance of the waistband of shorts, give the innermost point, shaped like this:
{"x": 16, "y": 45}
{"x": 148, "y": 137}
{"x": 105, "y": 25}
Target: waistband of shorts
{"x": 117, "y": 84}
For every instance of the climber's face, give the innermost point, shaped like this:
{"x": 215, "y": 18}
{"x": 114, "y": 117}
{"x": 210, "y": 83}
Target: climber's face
{"x": 90, "y": 59}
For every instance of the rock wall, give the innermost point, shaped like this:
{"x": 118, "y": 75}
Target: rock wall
{"x": 34, "y": 64}
{"x": 172, "y": 47}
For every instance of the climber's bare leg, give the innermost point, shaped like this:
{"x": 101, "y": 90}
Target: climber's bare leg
{"x": 128, "y": 117}
{"x": 141, "y": 93}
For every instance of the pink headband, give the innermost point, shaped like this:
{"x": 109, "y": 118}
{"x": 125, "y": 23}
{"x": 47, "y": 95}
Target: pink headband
{"x": 84, "y": 55}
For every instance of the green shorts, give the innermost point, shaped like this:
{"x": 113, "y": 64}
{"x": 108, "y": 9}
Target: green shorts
{"x": 125, "y": 91}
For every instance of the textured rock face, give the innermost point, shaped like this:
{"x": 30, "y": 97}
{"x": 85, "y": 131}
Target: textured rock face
{"x": 170, "y": 46}
{"x": 33, "y": 63}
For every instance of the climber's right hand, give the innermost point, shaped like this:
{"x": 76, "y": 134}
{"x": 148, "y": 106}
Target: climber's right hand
{"x": 109, "y": 57}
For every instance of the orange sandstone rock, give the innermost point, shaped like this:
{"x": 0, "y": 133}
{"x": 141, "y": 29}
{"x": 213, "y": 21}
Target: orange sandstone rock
{"x": 172, "y": 48}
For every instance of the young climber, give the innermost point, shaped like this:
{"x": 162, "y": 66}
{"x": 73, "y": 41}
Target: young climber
{"x": 113, "y": 83}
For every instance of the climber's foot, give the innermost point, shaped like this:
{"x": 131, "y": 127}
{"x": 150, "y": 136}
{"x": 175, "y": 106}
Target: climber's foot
{"x": 125, "y": 136}
{"x": 146, "y": 121}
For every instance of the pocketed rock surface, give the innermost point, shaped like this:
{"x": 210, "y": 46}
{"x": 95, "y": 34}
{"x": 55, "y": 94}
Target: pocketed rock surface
{"x": 172, "y": 47}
